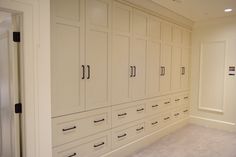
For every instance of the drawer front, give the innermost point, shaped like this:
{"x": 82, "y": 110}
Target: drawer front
{"x": 125, "y": 114}
{"x": 69, "y": 128}
{"x": 177, "y": 101}
{"x": 166, "y": 104}
{"x": 125, "y": 134}
{"x": 166, "y": 119}
{"x": 186, "y": 100}
{"x": 153, "y": 123}
{"x": 92, "y": 146}
{"x": 154, "y": 106}
{"x": 177, "y": 114}
{"x": 185, "y": 111}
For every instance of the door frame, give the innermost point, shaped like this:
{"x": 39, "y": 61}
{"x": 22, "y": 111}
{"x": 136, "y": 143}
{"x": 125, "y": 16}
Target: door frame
{"x": 35, "y": 74}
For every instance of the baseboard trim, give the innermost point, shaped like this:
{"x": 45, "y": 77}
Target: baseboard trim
{"x": 143, "y": 142}
{"x": 212, "y": 123}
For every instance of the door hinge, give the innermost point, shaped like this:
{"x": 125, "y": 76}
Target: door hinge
{"x": 18, "y": 108}
{"x": 16, "y": 36}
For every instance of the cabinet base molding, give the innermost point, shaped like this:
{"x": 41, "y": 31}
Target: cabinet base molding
{"x": 212, "y": 123}
{"x": 130, "y": 148}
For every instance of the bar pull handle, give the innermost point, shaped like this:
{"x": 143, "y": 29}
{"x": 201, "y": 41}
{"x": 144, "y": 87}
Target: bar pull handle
{"x": 183, "y": 70}
{"x": 166, "y": 102}
{"x": 166, "y": 118}
{"x": 153, "y": 106}
{"x": 98, "y": 145}
{"x": 67, "y": 129}
{"x": 176, "y": 114}
{"x": 186, "y": 97}
{"x": 185, "y": 111}
{"x": 154, "y": 123}
{"x": 141, "y": 109}
{"x": 72, "y": 155}
{"x": 97, "y": 121}
{"x": 131, "y": 71}
{"x": 177, "y": 100}
{"x": 140, "y": 129}
{"x": 83, "y": 70}
{"x": 135, "y": 72}
{"x": 88, "y": 66}
{"x": 122, "y": 114}
{"x": 120, "y": 136}
{"x": 162, "y": 70}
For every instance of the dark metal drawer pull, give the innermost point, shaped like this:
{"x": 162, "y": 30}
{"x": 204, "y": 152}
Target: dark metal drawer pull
{"x": 167, "y": 102}
{"x": 141, "y": 109}
{"x": 131, "y": 71}
{"x": 88, "y": 66}
{"x": 177, "y": 99}
{"x": 97, "y": 121}
{"x": 166, "y": 118}
{"x": 98, "y": 145}
{"x": 74, "y": 127}
{"x": 155, "y": 105}
{"x": 140, "y": 129}
{"x": 185, "y": 110}
{"x": 154, "y": 122}
{"x": 83, "y": 69}
{"x": 72, "y": 155}
{"x": 122, "y": 135}
{"x": 134, "y": 71}
{"x": 186, "y": 97}
{"x": 176, "y": 114}
{"x": 123, "y": 114}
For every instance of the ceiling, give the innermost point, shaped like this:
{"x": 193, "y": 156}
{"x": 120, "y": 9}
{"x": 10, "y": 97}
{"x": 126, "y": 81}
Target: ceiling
{"x": 198, "y": 10}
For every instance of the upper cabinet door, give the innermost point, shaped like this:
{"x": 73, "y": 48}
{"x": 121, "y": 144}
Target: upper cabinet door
{"x": 185, "y": 69}
{"x": 67, "y": 56}
{"x": 177, "y": 35}
{"x": 139, "y": 53}
{"x": 121, "y": 47}
{"x": 176, "y": 69}
{"x": 165, "y": 69}
{"x": 186, "y": 39}
{"x": 166, "y": 32}
{"x": 98, "y": 41}
{"x": 153, "y": 57}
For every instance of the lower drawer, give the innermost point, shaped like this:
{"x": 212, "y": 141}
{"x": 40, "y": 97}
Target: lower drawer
{"x": 177, "y": 114}
{"x": 92, "y": 146}
{"x": 127, "y": 133}
{"x": 153, "y": 123}
{"x": 166, "y": 118}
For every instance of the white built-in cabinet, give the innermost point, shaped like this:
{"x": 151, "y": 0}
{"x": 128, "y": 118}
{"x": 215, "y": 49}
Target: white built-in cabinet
{"x": 118, "y": 73}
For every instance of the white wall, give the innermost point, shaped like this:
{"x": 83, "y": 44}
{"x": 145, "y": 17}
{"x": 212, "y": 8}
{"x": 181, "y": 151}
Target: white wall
{"x": 221, "y": 29}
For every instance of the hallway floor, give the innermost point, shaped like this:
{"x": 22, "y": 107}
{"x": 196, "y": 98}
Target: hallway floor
{"x": 193, "y": 141}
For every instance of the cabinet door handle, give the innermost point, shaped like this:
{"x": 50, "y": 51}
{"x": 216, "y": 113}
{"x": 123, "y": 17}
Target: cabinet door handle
{"x": 183, "y": 70}
{"x": 162, "y": 70}
{"x": 140, "y": 129}
{"x": 166, "y": 118}
{"x": 67, "y": 129}
{"x": 88, "y": 66}
{"x": 135, "y": 71}
{"x": 122, "y": 114}
{"x": 131, "y": 71}
{"x": 154, "y": 106}
{"x": 154, "y": 123}
{"x": 141, "y": 109}
{"x": 185, "y": 110}
{"x": 98, "y": 145}
{"x": 72, "y": 155}
{"x": 97, "y": 121}
{"x": 167, "y": 102}
{"x": 83, "y": 71}
{"x": 186, "y": 97}
{"x": 122, "y": 135}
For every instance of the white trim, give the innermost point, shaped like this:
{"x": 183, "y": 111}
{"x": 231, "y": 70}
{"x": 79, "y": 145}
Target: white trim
{"x": 36, "y": 74}
{"x": 212, "y": 123}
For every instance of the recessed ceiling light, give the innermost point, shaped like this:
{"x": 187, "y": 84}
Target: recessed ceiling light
{"x": 228, "y": 10}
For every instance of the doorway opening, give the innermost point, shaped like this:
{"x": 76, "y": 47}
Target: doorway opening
{"x": 10, "y": 85}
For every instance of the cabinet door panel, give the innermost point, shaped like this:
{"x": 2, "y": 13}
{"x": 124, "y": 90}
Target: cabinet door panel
{"x": 186, "y": 38}
{"x": 153, "y": 68}
{"x": 97, "y": 59}
{"x": 176, "y": 68}
{"x": 166, "y": 32}
{"x": 177, "y": 35}
{"x": 155, "y": 29}
{"x": 166, "y": 63}
{"x": 185, "y": 64}
{"x": 140, "y": 23}
{"x": 139, "y": 61}
{"x": 66, "y": 71}
{"x": 97, "y": 53}
{"x": 120, "y": 69}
